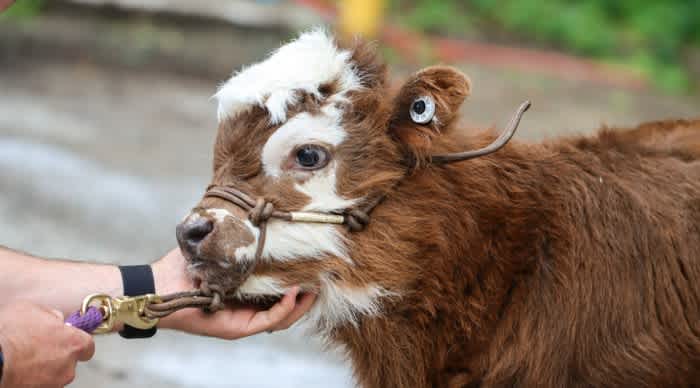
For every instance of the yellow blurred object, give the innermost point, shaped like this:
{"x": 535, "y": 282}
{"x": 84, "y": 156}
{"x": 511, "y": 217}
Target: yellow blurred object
{"x": 361, "y": 17}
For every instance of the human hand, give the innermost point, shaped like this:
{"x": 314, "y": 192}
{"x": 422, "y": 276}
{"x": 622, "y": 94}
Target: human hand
{"x": 232, "y": 323}
{"x": 39, "y": 349}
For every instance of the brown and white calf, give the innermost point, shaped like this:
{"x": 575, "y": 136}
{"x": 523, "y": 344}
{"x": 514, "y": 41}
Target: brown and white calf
{"x": 574, "y": 262}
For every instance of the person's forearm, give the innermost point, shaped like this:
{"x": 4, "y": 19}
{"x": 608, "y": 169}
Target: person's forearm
{"x": 58, "y": 284}
{"x": 62, "y": 285}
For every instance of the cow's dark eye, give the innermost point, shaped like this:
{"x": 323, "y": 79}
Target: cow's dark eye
{"x": 311, "y": 157}
{"x": 422, "y": 110}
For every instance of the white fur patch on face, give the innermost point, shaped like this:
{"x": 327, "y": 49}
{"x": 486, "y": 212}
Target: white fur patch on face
{"x": 306, "y": 129}
{"x": 301, "y": 65}
{"x": 219, "y": 214}
{"x": 321, "y": 189}
{"x": 301, "y": 129}
{"x": 288, "y": 241}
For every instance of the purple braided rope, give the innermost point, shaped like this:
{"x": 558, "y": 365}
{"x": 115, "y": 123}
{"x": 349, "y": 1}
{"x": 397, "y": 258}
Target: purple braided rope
{"x": 87, "y": 322}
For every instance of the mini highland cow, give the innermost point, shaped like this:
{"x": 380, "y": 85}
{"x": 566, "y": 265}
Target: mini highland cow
{"x": 575, "y": 262}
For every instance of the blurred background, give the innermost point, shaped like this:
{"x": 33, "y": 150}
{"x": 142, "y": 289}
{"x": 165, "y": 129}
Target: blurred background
{"x": 107, "y": 124}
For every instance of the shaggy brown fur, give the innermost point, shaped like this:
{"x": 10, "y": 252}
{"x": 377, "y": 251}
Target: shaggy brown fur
{"x": 572, "y": 263}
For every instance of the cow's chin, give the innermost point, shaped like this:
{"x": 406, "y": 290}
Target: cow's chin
{"x": 211, "y": 275}
{"x": 228, "y": 281}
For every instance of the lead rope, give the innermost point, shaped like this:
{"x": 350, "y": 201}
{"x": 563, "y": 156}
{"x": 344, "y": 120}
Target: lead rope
{"x": 207, "y": 297}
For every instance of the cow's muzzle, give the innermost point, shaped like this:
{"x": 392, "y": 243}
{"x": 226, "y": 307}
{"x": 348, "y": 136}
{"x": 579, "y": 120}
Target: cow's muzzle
{"x": 191, "y": 232}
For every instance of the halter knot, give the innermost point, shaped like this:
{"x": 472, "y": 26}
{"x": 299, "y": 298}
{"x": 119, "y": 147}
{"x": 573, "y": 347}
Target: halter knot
{"x": 215, "y": 292}
{"x": 356, "y": 220}
{"x": 261, "y": 212}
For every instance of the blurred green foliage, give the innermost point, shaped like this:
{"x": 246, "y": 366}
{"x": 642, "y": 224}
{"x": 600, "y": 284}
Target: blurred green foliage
{"x": 24, "y": 9}
{"x": 653, "y": 36}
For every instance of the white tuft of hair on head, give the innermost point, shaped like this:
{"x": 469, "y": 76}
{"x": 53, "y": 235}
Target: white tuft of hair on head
{"x": 301, "y": 65}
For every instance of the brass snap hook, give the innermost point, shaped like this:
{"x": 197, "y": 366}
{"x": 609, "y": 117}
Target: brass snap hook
{"x": 129, "y": 310}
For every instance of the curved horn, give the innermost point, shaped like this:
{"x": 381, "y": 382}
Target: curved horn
{"x": 497, "y": 144}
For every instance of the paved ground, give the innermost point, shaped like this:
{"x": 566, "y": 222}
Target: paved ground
{"x": 100, "y": 163}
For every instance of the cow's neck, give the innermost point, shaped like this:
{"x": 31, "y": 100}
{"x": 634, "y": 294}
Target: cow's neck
{"x": 445, "y": 317}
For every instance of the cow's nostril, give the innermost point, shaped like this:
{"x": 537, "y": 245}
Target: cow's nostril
{"x": 197, "y": 230}
{"x": 191, "y": 233}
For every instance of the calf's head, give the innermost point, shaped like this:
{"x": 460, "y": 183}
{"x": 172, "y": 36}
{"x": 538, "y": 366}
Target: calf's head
{"x": 313, "y": 128}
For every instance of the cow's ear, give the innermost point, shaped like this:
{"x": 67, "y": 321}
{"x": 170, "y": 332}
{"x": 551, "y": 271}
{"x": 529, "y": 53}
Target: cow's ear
{"x": 426, "y": 106}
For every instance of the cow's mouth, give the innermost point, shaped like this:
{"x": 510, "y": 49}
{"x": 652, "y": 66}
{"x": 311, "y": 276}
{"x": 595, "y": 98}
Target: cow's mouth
{"x": 225, "y": 276}
{"x": 228, "y": 281}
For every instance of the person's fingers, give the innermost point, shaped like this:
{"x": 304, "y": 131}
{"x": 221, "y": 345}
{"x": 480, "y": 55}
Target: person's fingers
{"x": 242, "y": 321}
{"x": 83, "y": 344}
{"x": 87, "y": 351}
{"x": 301, "y": 308}
{"x": 267, "y": 320}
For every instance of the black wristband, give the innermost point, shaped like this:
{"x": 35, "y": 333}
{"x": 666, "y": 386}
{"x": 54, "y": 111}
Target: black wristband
{"x": 2, "y": 364}
{"x": 137, "y": 280}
